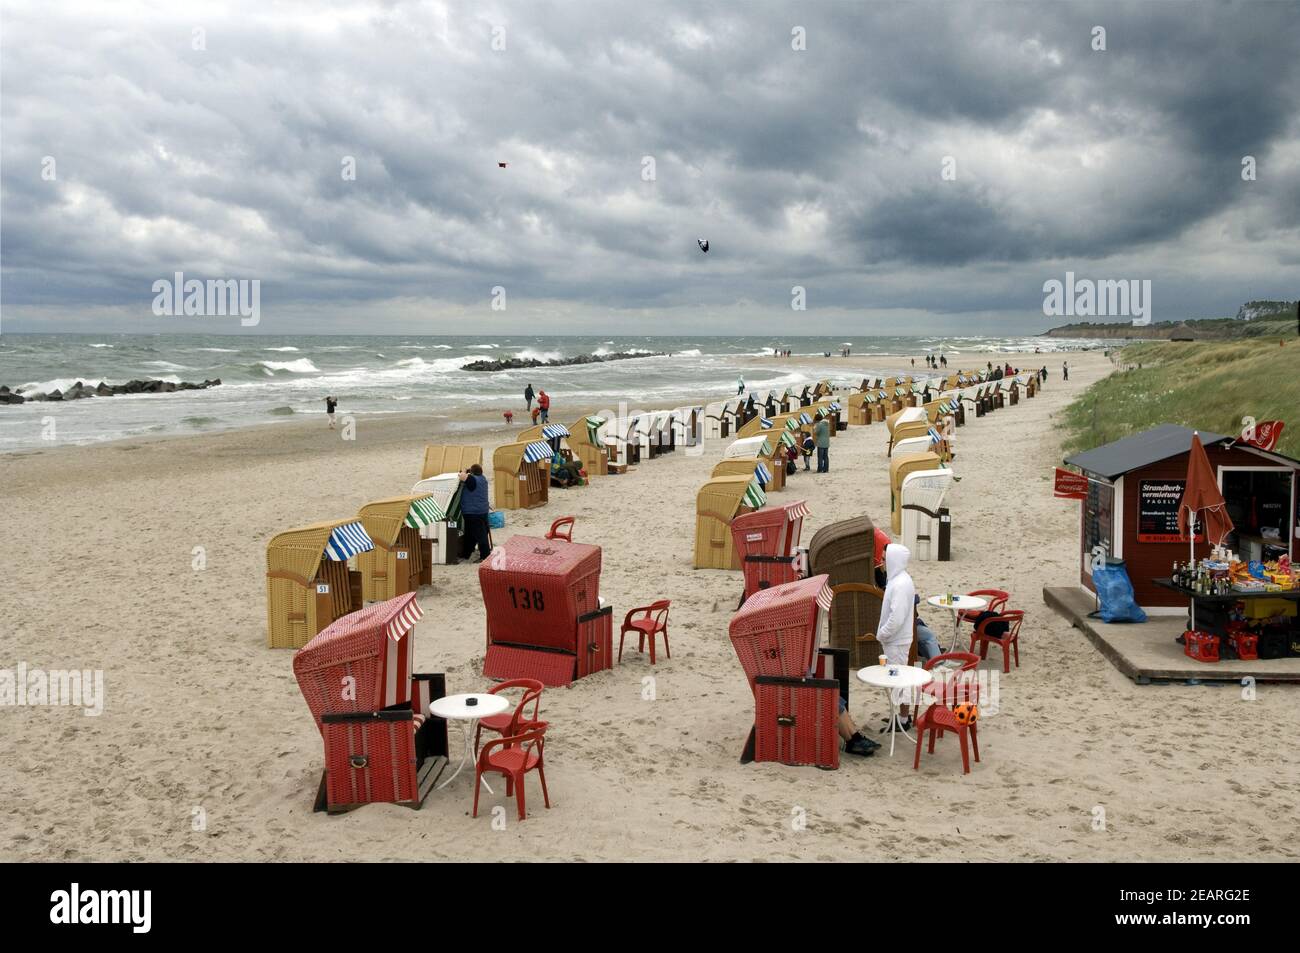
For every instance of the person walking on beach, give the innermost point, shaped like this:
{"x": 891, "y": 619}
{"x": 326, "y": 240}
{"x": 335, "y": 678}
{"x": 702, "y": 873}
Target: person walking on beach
{"x": 528, "y": 398}
{"x": 474, "y": 507}
{"x": 544, "y": 404}
{"x": 330, "y": 404}
{"x": 740, "y": 385}
{"x": 1065, "y": 370}
{"x": 823, "y": 435}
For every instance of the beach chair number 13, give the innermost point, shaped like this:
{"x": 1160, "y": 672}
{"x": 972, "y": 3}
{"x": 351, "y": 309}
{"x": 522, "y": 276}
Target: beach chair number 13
{"x": 530, "y": 600}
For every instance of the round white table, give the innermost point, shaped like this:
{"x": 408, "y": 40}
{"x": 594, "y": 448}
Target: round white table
{"x": 457, "y": 708}
{"x": 958, "y": 605}
{"x": 907, "y": 678}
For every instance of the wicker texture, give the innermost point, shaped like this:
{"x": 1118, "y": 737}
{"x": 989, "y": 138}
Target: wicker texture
{"x": 519, "y": 485}
{"x": 717, "y": 504}
{"x": 566, "y": 576}
{"x": 775, "y": 631}
{"x": 451, "y": 458}
{"x": 394, "y": 566}
{"x": 504, "y": 662}
{"x": 356, "y": 653}
{"x": 795, "y": 722}
{"x": 368, "y": 762}
{"x": 592, "y": 456}
{"x": 295, "y": 567}
{"x": 844, "y": 551}
{"x": 899, "y": 467}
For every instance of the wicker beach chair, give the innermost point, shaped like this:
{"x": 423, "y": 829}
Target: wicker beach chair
{"x": 776, "y": 636}
{"x": 449, "y": 458}
{"x": 545, "y": 618}
{"x": 308, "y": 583}
{"x": 522, "y": 475}
{"x": 768, "y": 543}
{"x": 717, "y": 504}
{"x": 922, "y": 496}
{"x": 900, "y": 465}
{"x": 401, "y": 560}
{"x": 372, "y": 710}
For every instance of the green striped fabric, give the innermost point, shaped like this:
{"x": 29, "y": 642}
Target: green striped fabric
{"x": 754, "y": 495}
{"x": 787, "y": 439}
{"x": 593, "y": 428}
{"x": 423, "y": 512}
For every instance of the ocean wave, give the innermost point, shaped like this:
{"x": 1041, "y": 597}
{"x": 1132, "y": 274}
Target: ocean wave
{"x": 484, "y": 346}
{"x": 200, "y": 422}
{"x": 167, "y": 366}
{"x": 301, "y": 366}
{"x": 219, "y": 350}
{"x": 693, "y": 352}
{"x": 283, "y": 411}
{"x": 279, "y": 349}
{"x": 531, "y": 354}
{"x": 103, "y": 345}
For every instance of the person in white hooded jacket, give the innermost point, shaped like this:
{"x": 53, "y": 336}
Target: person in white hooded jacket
{"x": 897, "y": 610}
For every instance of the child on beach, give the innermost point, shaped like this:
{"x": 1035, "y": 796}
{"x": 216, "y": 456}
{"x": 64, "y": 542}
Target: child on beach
{"x": 809, "y": 445}
{"x": 509, "y": 415}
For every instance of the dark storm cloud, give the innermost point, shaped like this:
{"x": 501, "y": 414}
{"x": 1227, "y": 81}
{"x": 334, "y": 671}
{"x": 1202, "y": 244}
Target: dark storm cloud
{"x": 819, "y": 168}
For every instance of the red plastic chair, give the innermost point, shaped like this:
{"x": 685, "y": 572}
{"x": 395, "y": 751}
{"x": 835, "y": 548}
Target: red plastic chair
{"x": 997, "y": 602}
{"x": 938, "y": 719}
{"x": 954, "y": 685}
{"x": 514, "y": 757}
{"x": 561, "y": 529}
{"x": 507, "y": 723}
{"x": 1009, "y": 641}
{"x": 653, "y": 622}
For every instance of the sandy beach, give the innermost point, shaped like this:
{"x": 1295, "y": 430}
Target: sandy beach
{"x": 202, "y": 720}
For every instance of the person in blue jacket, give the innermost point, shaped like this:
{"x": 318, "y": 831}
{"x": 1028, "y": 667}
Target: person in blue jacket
{"x": 474, "y": 507}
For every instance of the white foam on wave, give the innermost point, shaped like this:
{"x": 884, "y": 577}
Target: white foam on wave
{"x": 483, "y": 346}
{"x": 102, "y": 345}
{"x": 531, "y": 354}
{"x": 279, "y": 349}
{"x": 218, "y": 350}
{"x": 693, "y": 352}
{"x": 166, "y": 365}
{"x": 301, "y": 366}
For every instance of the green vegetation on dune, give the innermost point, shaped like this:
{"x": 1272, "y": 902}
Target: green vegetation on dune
{"x": 1210, "y": 385}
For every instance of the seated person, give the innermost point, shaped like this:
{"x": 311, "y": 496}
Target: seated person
{"x": 927, "y": 643}
{"x": 792, "y": 460}
{"x": 564, "y": 473}
{"x": 855, "y": 742}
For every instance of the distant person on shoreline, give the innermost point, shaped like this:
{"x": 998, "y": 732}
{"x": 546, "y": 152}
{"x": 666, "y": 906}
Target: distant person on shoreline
{"x": 330, "y": 404}
{"x": 528, "y": 398}
{"x": 740, "y": 385}
{"x": 1065, "y": 370}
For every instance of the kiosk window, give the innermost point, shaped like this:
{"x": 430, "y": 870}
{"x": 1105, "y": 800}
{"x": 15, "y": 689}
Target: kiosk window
{"x": 1097, "y": 520}
{"x": 1259, "y": 503}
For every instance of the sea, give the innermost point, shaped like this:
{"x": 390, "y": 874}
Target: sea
{"x": 266, "y": 380}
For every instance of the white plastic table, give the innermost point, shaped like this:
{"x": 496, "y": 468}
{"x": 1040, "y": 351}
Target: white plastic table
{"x": 909, "y": 678}
{"x": 958, "y": 605}
{"x": 456, "y": 708}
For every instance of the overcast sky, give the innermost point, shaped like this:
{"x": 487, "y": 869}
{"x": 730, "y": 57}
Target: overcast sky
{"x": 819, "y": 167}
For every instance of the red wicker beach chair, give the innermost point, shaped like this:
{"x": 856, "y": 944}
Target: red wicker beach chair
{"x": 372, "y": 711}
{"x": 775, "y": 635}
{"x": 767, "y": 541}
{"x": 545, "y": 620}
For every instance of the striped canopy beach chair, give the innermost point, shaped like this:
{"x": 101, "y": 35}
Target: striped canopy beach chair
{"x": 401, "y": 560}
{"x": 443, "y": 535}
{"x": 522, "y": 475}
{"x": 717, "y": 504}
{"x": 768, "y": 543}
{"x": 372, "y": 710}
{"x": 308, "y": 583}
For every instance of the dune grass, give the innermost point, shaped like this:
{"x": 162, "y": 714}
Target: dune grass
{"x": 1209, "y": 385}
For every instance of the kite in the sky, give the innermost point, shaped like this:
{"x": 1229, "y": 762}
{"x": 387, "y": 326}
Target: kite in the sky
{"x": 704, "y": 244}
{"x": 502, "y": 165}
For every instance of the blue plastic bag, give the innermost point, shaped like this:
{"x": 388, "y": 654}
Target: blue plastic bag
{"x": 497, "y": 519}
{"x": 1115, "y": 593}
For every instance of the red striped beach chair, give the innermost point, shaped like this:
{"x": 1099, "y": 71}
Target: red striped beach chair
{"x": 372, "y": 710}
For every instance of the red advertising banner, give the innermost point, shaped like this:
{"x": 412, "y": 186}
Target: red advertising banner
{"x": 1265, "y": 435}
{"x": 1070, "y": 485}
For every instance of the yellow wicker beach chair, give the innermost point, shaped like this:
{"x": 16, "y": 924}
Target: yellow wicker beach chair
{"x": 718, "y": 503}
{"x": 449, "y": 458}
{"x": 401, "y": 561}
{"x": 587, "y": 442}
{"x": 308, "y": 583}
{"x": 521, "y": 475}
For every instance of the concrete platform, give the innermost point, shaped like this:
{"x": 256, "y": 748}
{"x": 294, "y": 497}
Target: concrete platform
{"x": 1148, "y": 653}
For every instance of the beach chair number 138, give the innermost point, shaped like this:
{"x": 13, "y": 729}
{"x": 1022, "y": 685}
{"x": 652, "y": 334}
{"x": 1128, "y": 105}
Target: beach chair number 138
{"x": 525, "y": 599}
